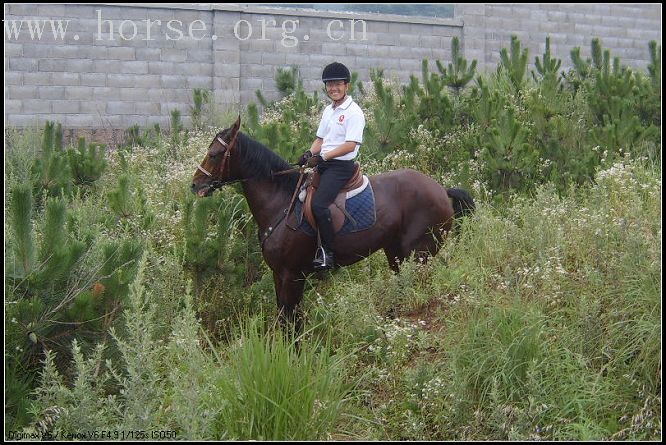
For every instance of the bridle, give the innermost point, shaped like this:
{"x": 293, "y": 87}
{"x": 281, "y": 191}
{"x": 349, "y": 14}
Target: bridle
{"x": 225, "y": 164}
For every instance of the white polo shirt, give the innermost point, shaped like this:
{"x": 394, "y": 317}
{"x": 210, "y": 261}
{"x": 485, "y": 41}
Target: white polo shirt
{"x": 344, "y": 123}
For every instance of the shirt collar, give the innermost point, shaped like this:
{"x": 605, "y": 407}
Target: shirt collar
{"x": 344, "y": 105}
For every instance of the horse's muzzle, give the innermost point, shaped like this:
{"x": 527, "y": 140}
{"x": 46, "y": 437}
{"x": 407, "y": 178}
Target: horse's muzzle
{"x": 205, "y": 190}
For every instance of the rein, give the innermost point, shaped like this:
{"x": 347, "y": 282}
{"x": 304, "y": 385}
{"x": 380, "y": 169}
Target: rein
{"x": 287, "y": 211}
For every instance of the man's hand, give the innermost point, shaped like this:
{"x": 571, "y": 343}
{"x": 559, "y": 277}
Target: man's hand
{"x": 314, "y": 161}
{"x": 304, "y": 157}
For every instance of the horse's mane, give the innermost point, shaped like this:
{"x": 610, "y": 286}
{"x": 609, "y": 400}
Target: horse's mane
{"x": 259, "y": 161}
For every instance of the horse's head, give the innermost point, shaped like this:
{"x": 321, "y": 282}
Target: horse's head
{"x": 215, "y": 169}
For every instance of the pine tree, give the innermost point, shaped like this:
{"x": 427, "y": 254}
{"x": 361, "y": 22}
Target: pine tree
{"x": 201, "y": 98}
{"x": 458, "y": 74}
{"x": 128, "y": 201}
{"x": 121, "y": 199}
{"x": 548, "y": 69}
{"x": 58, "y": 252}
{"x": 434, "y": 107}
{"x": 390, "y": 122}
{"x": 87, "y": 163}
{"x": 514, "y": 63}
{"x": 586, "y": 68}
{"x": 20, "y": 210}
{"x": 509, "y": 159}
{"x": 176, "y": 130}
{"x": 288, "y": 80}
{"x": 487, "y": 105}
{"x": 51, "y": 171}
{"x": 654, "y": 68}
{"x": 233, "y": 238}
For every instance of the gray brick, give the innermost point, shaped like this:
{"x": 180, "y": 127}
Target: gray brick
{"x": 226, "y": 57}
{"x": 51, "y": 92}
{"x": 430, "y": 41}
{"x": 200, "y": 69}
{"x": 118, "y": 107}
{"x": 167, "y": 107}
{"x": 21, "y": 92}
{"x": 122, "y": 53}
{"x": 187, "y": 43}
{"x": 199, "y": 55}
{"x": 161, "y": 67}
{"x": 132, "y": 94}
{"x": 399, "y": 28}
{"x": 273, "y": 59}
{"x": 12, "y": 106}
{"x": 65, "y": 106}
{"x": 23, "y": 120}
{"x": 93, "y": 108}
{"x": 134, "y": 67}
{"x": 79, "y": 66}
{"x": 256, "y": 57}
{"x": 93, "y": 79}
{"x": 147, "y": 108}
{"x": 20, "y": 64}
{"x": 53, "y": 65}
{"x": 172, "y": 81}
{"x": 51, "y": 10}
{"x": 119, "y": 80}
{"x": 231, "y": 70}
{"x": 199, "y": 82}
{"x": 80, "y": 121}
{"x": 78, "y": 93}
{"x": 63, "y": 78}
{"x": 334, "y": 49}
{"x": 173, "y": 55}
{"x": 229, "y": 83}
{"x": 251, "y": 84}
{"x": 146, "y": 81}
{"x": 63, "y": 51}
{"x": 38, "y": 79}
{"x": 409, "y": 40}
{"x": 13, "y": 49}
{"x": 147, "y": 54}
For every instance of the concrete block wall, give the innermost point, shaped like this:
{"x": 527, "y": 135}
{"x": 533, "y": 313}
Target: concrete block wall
{"x": 160, "y": 53}
{"x": 90, "y": 78}
{"x": 625, "y": 29}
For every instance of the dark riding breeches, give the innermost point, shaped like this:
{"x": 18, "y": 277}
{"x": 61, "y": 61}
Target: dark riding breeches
{"x": 334, "y": 175}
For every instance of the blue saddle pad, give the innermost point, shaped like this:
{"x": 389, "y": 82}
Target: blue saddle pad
{"x": 361, "y": 207}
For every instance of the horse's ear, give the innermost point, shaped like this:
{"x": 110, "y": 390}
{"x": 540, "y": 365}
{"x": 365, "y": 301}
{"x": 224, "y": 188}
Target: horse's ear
{"x": 237, "y": 124}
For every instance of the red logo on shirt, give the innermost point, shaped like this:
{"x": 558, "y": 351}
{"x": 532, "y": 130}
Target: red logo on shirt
{"x": 342, "y": 118}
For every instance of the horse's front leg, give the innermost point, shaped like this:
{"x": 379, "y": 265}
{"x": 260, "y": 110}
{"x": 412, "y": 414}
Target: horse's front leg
{"x": 289, "y": 291}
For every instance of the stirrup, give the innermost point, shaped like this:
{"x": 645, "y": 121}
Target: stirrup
{"x": 323, "y": 260}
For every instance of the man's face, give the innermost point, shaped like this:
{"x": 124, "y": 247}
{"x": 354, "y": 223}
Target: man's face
{"x": 336, "y": 89}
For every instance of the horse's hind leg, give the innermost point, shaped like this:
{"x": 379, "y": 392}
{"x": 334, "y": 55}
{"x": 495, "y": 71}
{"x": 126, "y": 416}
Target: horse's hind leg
{"x": 422, "y": 246}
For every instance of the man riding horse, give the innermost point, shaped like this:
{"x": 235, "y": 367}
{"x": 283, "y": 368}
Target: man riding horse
{"x": 339, "y": 137}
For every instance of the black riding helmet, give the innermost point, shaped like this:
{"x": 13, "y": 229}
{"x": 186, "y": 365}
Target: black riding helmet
{"x": 336, "y": 71}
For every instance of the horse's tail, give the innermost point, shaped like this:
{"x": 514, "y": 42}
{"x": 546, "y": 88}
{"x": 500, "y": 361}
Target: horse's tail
{"x": 462, "y": 201}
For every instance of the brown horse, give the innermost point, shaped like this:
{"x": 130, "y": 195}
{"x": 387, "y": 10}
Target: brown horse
{"x": 413, "y": 212}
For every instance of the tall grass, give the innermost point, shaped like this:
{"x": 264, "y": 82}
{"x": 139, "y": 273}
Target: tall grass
{"x": 278, "y": 391}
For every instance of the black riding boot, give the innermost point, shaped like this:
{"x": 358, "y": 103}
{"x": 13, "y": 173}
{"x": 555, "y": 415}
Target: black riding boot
{"x": 324, "y": 257}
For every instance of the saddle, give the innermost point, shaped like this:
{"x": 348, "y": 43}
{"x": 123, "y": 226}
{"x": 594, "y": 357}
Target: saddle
{"x": 353, "y": 187}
